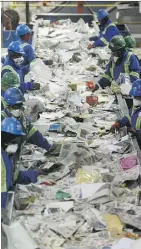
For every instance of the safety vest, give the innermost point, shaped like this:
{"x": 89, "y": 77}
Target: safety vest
{"x": 3, "y": 102}
{"x": 3, "y": 176}
{"x": 10, "y": 69}
{"x": 138, "y": 121}
{"x": 24, "y": 44}
{"x": 102, "y": 38}
{"x": 126, "y": 67}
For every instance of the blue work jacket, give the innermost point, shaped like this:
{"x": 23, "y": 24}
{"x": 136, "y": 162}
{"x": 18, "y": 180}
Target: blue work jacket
{"x": 33, "y": 136}
{"x": 107, "y": 32}
{"x": 9, "y": 176}
{"x": 133, "y": 120}
{"x": 129, "y": 65}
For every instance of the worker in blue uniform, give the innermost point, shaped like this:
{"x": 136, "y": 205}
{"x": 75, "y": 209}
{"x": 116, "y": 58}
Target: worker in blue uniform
{"x": 14, "y": 100}
{"x": 8, "y": 80}
{"x": 13, "y": 64}
{"x": 107, "y": 30}
{"x": 24, "y": 34}
{"x": 122, "y": 61}
{"x": 11, "y": 136}
{"x": 133, "y": 121}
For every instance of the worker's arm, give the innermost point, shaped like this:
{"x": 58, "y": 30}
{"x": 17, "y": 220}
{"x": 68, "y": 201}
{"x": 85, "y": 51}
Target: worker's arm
{"x": 93, "y": 38}
{"x": 27, "y": 177}
{"x": 36, "y": 138}
{"x": 125, "y": 121}
{"x": 30, "y": 54}
{"x": 134, "y": 68}
{"x": 106, "y": 79}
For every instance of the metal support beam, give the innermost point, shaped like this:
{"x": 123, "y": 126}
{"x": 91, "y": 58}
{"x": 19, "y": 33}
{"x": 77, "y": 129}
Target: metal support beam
{"x": 27, "y": 12}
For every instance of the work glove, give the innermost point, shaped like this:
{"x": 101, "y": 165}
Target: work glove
{"x": 48, "y": 62}
{"x": 132, "y": 130}
{"x": 90, "y": 46}
{"x": 115, "y": 127}
{"x": 55, "y": 150}
{"x": 36, "y": 86}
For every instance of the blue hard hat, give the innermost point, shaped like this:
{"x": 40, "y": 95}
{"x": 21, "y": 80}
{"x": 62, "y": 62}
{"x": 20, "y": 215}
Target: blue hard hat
{"x": 16, "y": 47}
{"x": 136, "y": 89}
{"x": 13, "y": 96}
{"x": 22, "y": 29}
{"x": 13, "y": 126}
{"x": 101, "y": 14}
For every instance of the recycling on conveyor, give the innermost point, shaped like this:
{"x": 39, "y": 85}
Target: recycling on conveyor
{"x": 90, "y": 197}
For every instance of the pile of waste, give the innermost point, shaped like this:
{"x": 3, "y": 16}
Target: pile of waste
{"x": 90, "y": 197}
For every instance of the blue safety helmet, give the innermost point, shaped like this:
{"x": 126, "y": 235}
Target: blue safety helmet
{"x": 13, "y": 96}
{"x": 16, "y": 47}
{"x": 22, "y": 29}
{"x": 102, "y": 14}
{"x": 136, "y": 89}
{"x": 13, "y": 126}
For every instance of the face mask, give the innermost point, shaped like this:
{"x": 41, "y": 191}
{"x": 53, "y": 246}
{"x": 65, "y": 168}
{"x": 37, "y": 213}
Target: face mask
{"x": 12, "y": 148}
{"x": 18, "y": 61}
{"x": 16, "y": 113}
{"x": 136, "y": 102}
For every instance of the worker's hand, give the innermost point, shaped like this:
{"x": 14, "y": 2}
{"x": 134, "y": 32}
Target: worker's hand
{"x": 36, "y": 86}
{"x": 132, "y": 130}
{"x": 115, "y": 127}
{"x": 55, "y": 150}
{"x": 90, "y": 46}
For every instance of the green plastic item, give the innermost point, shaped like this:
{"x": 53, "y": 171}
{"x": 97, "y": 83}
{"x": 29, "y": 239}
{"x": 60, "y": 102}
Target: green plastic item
{"x": 62, "y": 195}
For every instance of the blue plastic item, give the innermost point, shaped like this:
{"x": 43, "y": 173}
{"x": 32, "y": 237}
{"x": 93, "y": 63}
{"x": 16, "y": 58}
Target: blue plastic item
{"x": 54, "y": 127}
{"x": 16, "y": 47}
{"x": 136, "y": 89}
{"x": 101, "y": 14}
{"x": 13, "y": 96}
{"x": 22, "y": 29}
{"x": 13, "y": 126}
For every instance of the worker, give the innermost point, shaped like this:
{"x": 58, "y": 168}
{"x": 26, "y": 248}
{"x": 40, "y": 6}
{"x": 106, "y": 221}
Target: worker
{"x": 122, "y": 61}
{"x": 11, "y": 136}
{"x": 133, "y": 121}
{"x": 130, "y": 42}
{"x": 13, "y": 64}
{"x": 130, "y": 45}
{"x": 14, "y": 100}
{"x": 24, "y": 34}
{"x": 108, "y": 30}
{"x": 8, "y": 80}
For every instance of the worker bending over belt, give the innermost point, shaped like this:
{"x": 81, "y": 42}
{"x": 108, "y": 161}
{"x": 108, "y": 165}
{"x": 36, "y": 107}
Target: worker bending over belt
{"x": 14, "y": 100}
{"x": 13, "y": 64}
{"x": 133, "y": 121}
{"x": 107, "y": 30}
{"x": 12, "y": 135}
{"x": 8, "y": 80}
{"x": 122, "y": 61}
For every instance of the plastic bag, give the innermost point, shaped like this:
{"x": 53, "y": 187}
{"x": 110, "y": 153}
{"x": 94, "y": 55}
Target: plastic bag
{"x": 83, "y": 176}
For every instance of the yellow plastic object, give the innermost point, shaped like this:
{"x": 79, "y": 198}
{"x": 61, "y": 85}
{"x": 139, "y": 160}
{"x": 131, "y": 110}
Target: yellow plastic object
{"x": 83, "y": 176}
{"x": 114, "y": 225}
{"x": 115, "y": 88}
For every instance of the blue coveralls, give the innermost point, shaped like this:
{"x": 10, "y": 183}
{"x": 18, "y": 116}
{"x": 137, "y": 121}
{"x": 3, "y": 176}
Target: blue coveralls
{"x": 128, "y": 65}
{"x": 10, "y": 175}
{"x": 134, "y": 121}
{"x": 10, "y": 66}
{"x": 107, "y": 32}
{"x": 28, "y": 57}
{"x": 33, "y": 136}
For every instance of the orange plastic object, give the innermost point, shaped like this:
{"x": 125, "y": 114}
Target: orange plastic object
{"x": 90, "y": 84}
{"x": 92, "y": 100}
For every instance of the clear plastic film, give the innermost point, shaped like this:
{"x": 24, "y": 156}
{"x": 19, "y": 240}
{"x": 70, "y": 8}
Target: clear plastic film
{"x": 82, "y": 176}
